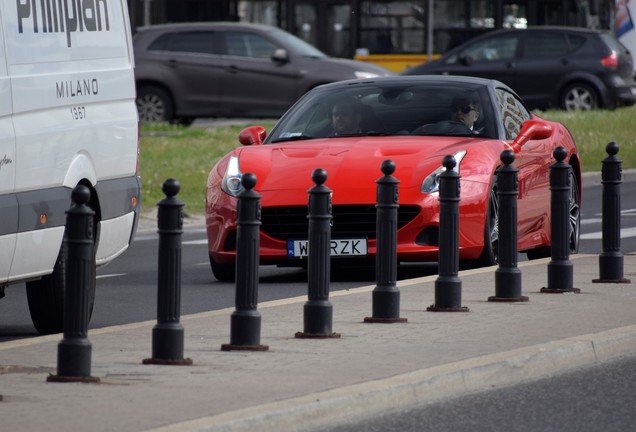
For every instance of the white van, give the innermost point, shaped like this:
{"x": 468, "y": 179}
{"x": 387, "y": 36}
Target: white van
{"x": 67, "y": 116}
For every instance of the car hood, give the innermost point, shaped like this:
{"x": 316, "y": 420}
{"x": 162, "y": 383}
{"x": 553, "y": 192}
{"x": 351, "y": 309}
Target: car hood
{"x": 333, "y": 63}
{"x": 352, "y": 164}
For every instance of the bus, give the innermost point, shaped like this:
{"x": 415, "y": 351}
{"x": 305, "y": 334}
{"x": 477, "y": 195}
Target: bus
{"x": 394, "y": 33}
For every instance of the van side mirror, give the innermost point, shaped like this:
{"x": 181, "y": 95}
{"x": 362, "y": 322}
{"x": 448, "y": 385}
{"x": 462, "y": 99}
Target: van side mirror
{"x": 280, "y": 55}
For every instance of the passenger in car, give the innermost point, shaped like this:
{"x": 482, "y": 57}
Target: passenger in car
{"x": 464, "y": 113}
{"x": 346, "y": 116}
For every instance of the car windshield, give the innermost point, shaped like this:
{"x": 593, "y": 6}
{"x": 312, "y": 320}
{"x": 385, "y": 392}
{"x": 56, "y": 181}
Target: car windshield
{"x": 389, "y": 108}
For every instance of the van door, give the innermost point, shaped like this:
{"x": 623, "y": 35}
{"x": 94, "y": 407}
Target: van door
{"x": 8, "y": 201}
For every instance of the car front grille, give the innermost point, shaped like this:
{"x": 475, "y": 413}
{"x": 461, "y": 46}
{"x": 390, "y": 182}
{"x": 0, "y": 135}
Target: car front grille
{"x": 349, "y": 221}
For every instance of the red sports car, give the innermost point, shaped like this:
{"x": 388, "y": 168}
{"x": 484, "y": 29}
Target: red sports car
{"x": 349, "y": 128}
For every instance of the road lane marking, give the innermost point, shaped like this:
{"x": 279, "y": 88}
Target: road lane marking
{"x": 625, "y": 233}
{"x": 110, "y": 275}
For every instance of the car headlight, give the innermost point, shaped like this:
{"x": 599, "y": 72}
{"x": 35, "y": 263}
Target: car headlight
{"x": 431, "y": 182}
{"x": 363, "y": 75}
{"x": 231, "y": 183}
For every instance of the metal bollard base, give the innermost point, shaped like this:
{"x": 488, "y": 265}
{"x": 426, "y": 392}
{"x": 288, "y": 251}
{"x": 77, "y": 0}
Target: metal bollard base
{"x": 167, "y": 343}
{"x": 303, "y": 335}
{"x": 384, "y": 320}
{"x": 433, "y": 308}
{"x": 167, "y": 362}
{"x": 560, "y": 290}
{"x": 74, "y": 357}
{"x": 385, "y": 305}
{"x": 617, "y": 281}
{"x": 230, "y": 347}
{"x": 508, "y": 299}
{"x": 73, "y": 379}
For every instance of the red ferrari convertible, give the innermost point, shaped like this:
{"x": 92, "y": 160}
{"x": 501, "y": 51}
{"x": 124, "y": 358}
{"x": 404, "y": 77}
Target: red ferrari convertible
{"x": 349, "y": 128}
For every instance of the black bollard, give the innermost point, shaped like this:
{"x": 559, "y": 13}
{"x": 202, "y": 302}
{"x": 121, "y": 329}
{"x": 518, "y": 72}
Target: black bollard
{"x": 74, "y": 351}
{"x": 245, "y": 324}
{"x": 507, "y": 275}
{"x": 386, "y": 296}
{"x": 560, "y": 269}
{"x": 448, "y": 286}
{"x": 318, "y": 311}
{"x": 611, "y": 259}
{"x": 167, "y": 334}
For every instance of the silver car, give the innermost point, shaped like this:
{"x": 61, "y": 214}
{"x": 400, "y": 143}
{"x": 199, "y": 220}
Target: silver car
{"x": 189, "y": 70}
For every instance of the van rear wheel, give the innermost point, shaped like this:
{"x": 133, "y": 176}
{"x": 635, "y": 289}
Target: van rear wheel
{"x": 46, "y": 296}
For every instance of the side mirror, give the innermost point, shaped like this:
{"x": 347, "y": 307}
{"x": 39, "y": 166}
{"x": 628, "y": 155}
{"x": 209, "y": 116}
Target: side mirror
{"x": 253, "y": 135}
{"x": 280, "y": 55}
{"x": 532, "y": 129}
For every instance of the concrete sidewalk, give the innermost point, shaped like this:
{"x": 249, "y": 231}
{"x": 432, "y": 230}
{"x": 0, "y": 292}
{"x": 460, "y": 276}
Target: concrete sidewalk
{"x": 301, "y": 384}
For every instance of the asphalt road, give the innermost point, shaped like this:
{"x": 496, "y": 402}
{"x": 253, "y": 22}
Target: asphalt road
{"x": 598, "y": 398}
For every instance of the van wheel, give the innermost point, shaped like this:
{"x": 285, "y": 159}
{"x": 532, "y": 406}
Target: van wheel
{"x": 154, "y": 105}
{"x": 223, "y": 272}
{"x": 579, "y": 97}
{"x": 46, "y": 296}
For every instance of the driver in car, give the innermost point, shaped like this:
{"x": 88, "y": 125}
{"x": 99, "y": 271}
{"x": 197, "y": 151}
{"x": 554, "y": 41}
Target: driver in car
{"x": 346, "y": 116}
{"x": 465, "y": 110}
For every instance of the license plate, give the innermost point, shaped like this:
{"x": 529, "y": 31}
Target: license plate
{"x": 338, "y": 247}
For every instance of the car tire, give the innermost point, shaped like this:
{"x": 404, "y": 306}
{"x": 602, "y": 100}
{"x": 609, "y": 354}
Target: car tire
{"x": 154, "y": 105}
{"x": 489, "y": 255}
{"x": 579, "y": 97}
{"x": 46, "y": 296}
{"x": 574, "y": 224}
{"x": 223, "y": 272}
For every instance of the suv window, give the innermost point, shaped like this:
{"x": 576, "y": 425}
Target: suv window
{"x": 500, "y": 48}
{"x": 576, "y": 41}
{"x": 245, "y": 44}
{"x": 545, "y": 44}
{"x": 193, "y": 42}
{"x": 161, "y": 43}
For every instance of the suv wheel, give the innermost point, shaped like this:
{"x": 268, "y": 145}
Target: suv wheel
{"x": 154, "y": 105}
{"x": 579, "y": 97}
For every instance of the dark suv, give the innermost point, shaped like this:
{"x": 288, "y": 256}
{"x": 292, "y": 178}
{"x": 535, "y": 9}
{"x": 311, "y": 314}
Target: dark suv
{"x": 567, "y": 67}
{"x": 190, "y": 70}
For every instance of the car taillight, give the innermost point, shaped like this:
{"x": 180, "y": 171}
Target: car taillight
{"x": 611, "y": 61}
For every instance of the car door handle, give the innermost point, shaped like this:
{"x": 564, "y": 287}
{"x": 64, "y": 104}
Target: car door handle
{"x": 511, "y": 65}
{"x": 233, "y": 69}
{"x": 172, "y": 63}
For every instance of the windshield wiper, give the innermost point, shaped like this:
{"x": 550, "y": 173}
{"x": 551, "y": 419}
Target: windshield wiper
{"x": 293, "y": 138}
{"x": 360, "y": 134}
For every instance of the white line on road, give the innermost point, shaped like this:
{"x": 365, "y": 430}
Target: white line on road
{"x": 110, "y": 275}
{"x": 625, "y": 233}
